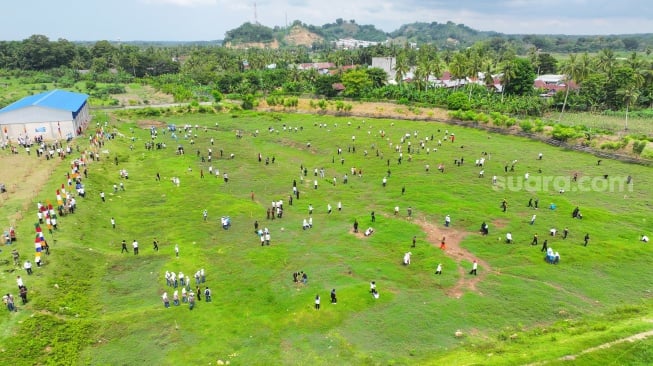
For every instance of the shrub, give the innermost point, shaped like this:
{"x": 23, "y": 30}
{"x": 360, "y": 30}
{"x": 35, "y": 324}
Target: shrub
{"x": 469, "y": 116}
{"x": 526, "y": 126}
{"x": 610, "y": 146}
{"x": 482, "y": 117}
{"x": 638, "y": 146}
{"x": 511, "y": 122}
{"x": 456, "y": 114}
{"x": 248, "y": 102}
{"x": 562, "y": 133}
{"x": 457, "y": 100}
{"x": 647, "y": 153}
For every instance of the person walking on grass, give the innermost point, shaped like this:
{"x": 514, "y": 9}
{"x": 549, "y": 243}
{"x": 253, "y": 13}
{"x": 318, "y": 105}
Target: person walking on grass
{"x": 155, "y": 243}
{"x": 334, "y": 300}
{"x": 587, "y": 239}
{"x": 317, "y": 302}
{"x": 438, "y": 271}
{"x": 177, "y": 250}
{"x": 124, "y": 247}
{"x": 534, "y": 242}
{"x": 474, "y": 268}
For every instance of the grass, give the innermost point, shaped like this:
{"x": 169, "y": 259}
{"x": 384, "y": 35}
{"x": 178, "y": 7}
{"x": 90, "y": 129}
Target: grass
{"x": 106, "y": 302}
{"x": 642, "y": 126}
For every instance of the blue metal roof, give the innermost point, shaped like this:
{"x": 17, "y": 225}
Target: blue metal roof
{"x": 56, "y": 99}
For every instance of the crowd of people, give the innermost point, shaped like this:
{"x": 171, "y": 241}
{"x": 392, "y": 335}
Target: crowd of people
{"x": 401, "y": 152}
{"x": 50, "y": 211}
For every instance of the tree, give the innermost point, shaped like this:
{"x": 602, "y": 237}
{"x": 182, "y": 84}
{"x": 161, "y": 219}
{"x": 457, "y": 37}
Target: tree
{"x": 607, "y": 61}
{"x": 355, "y": 82}
{"x": 572, "y": 73}
{"x": 547, "y": 64}
{"x": 507, "y": 74}
{"x": 522, "y": 78}
{"x": 36, "y": 53}
{"x": 629, "y": 94}
{"x": 324, "y": 85}
{"x": 377, "y": 75}
{"x": 401, "y": 67}
{"x": 458, "y": 66}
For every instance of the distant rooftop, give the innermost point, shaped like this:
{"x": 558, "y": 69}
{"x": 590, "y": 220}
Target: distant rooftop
{"x": 56, "y": 99}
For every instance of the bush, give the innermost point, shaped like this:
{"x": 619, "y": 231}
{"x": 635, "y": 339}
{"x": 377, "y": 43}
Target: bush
{"x": 647, "y": 153}
{"x": 457, "y": 100}
{"x": 609, "y": 146}
{"x": 511, "y": 122}
{"x": 562, "y": 133}
{"x": 638, "y": 146}
{"x": 248, "y": 102}
{"x": 526, "y": 126}
{"x": 115, "y": 89}
{"x": 482, "y": 117}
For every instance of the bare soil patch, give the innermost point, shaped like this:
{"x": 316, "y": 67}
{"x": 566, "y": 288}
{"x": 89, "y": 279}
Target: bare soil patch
{"x": 453, "y": 249}
{"x": 25, "y": 177}
{"x": 366, "y": 109}
{"x": 147, "y": 123}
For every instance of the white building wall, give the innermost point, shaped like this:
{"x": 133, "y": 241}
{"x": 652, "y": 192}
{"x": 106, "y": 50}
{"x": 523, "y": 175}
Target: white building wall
{"x": 387, "y": 64}
{"x": 37, "y": 121}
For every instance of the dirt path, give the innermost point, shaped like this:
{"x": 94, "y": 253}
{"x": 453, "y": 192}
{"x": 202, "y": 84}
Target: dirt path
{"x": 434, "y": 235}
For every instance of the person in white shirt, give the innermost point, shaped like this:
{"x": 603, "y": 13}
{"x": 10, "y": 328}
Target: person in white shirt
{"x": 474, "y": 268}
{"x": 645, "y": 238}
{"x": 509, "y": 238}
{"x": 407, "y": 258}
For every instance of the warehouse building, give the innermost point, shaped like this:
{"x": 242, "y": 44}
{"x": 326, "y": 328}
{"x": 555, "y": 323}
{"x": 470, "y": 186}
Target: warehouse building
{"x": 53, "y": 115}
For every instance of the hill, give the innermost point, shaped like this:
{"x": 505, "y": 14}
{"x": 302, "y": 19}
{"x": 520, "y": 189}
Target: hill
{"x": 442, "y": 35}
{"x": 349, "y": 29}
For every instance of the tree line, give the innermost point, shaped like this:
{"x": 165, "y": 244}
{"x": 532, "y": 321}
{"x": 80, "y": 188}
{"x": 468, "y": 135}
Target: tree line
{"x": 605, "y": 80}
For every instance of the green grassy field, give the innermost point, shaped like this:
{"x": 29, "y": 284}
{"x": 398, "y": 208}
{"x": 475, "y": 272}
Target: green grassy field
{"x": 106, "y": 306}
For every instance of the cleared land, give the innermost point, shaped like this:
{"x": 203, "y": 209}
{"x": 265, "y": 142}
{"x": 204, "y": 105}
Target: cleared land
{"x": 518, "y": 310}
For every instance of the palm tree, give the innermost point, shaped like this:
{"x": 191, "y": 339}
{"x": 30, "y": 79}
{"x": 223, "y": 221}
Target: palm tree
{"x": 629, "y": 93}
{"x": 634, "y": 61}
{"x": 458, "y": 66}
{"x": 508, "y": 73}
{"x": 401, "y": 67}
{"x": 607, "y": 61}
{"x": 474, "y": 66}
{"x": 574, "y": 71}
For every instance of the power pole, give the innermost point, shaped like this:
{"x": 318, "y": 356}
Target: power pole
{"x": 255, "y": 15}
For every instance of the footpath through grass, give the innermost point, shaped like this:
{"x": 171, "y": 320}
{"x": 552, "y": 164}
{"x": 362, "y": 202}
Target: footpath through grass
{"x": 92, "y": 304}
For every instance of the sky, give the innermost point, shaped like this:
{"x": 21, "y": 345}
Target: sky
{"x": 204, "y": 20}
